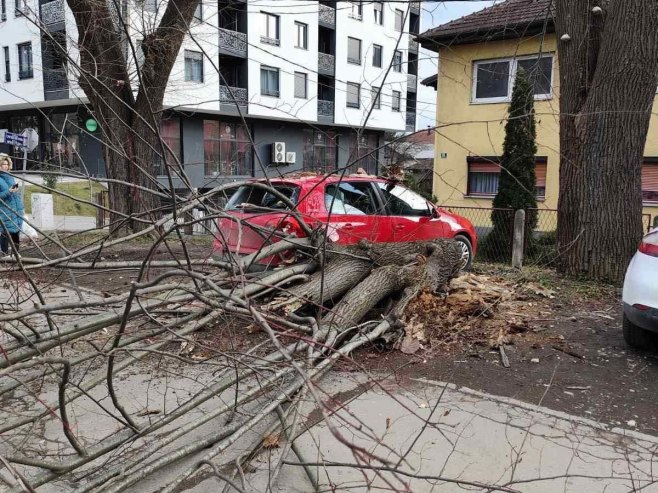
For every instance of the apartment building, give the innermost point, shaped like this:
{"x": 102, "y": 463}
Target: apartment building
{"x": 300, "y": 78}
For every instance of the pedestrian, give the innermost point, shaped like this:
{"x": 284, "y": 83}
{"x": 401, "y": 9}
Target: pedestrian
{"x": 11, "y": 207}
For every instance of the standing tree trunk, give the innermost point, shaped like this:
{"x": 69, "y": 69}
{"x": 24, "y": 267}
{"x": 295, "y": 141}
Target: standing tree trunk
{"x": 129, "y": 117}
{"x": 608, "y": 77}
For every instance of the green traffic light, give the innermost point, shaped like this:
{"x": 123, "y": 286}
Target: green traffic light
{"x": 91, "y": 125}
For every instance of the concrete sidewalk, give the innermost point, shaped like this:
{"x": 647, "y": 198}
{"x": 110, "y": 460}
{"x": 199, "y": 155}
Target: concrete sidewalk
{"x": 472, "y": 439}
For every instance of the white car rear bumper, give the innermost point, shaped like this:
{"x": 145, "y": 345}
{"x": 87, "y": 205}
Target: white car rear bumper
{"x": 640, "y": 294}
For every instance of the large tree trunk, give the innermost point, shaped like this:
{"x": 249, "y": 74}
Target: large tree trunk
{"x": 608, "y": 77}
{"x": 129, "y": 125}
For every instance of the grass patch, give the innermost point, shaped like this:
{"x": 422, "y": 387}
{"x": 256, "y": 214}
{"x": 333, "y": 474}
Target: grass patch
{"x": 65, "y": 206}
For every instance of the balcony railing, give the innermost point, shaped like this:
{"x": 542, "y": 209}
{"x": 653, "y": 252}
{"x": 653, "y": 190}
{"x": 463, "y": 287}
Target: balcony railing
{"x": 412, "y": 81}
{"x": 52, "y": 12}
{"x": 233, "y": 41}
{"x": 270, "y": 41}
{"x": 326, "y": 63}
{"x": 410, "y": 121}
{"x": 325, "y": 108}
{"x": 413, "y": 44}
{"x": 327, "y": 14}
{"x": 233, "y": 95}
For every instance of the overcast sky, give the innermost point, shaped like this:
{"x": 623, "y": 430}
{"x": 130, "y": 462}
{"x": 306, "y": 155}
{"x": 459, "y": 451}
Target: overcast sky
{"x": 434, "y": 14}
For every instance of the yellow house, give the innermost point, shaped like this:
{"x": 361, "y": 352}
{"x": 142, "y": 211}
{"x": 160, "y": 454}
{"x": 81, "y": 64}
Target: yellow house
{"x": 479, "y": 55}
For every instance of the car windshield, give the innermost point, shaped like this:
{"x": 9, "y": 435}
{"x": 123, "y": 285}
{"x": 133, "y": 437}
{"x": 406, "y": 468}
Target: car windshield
{"x": 249, "y": 197}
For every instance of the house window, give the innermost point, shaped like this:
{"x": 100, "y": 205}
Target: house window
{"x": 25, "y": 61}
{"x": 193, "y": 66}
{"x": 270, "y": 29}
{"x": 320, "y": 151}
{"x": 7, "y": 66}
{"x": 379, "y": 12}
{"x": 399, "y": 20}
{"x": 363, "y": 149}
{"x": 650, "y": 182}
{"x": 302, "y": 35}
{"x": 356, "y": 10}
{"x": 20, "y": 7}
{"x": 493, "y": 80}
{"x": 395, "y": 105}
{"x": 269, "y": 81}
{"x": 151, "y": 5}
{"x": 227, "y": 150}
{"x": 375, "y": 94}
{"x": 300, "y": 85}
{"x": 484, "y": 175}
{"x": 354, "y": 51}
{"x": 198, "y": 13}
{"x": 377, "y": 56}
{"x": 3, "y": 10}
{"x": 397, "y": 61}
{"x": 353, "y": 95}
{"x": 171, "y": 138}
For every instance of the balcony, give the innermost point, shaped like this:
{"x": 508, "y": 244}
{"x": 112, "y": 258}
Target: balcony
{"x": 233, "y": 95}
{"x": 413, "y": 44}
{"x": 52, "y": 12}
{"x": 412, "y": 83}
{"x": 326, "y": 63}
{"x": 55, "y": 84}
{"x": 410, "y": 122}
{"x": 414, "y": 8}
{"x": 232, "y": 43}
{"x": 325, "y": 111}
{"x": 327, "y": 16}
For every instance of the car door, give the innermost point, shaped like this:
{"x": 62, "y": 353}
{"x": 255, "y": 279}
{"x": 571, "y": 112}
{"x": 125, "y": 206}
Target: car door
{"x": 412, "y": 217}
{"x": 353, "y": 211}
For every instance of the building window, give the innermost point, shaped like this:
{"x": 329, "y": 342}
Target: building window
{"x": 375, "y": 94}
{"x": 354, "y": 51}
{"x": 269, "y": 81}
{"x": 397, "y": 61}
{"x": 484, "y": 175}
{"x": 7, "y": 65}
{"x": 356, "y": 10}
{"x": 271, "y": 33}
{"x": 377, "y": 56}
{"x": 320, "y": 151}
{"x": 151, "y": 5}
{"x": 193, "y": 66}
{"x": 395, "y": 104}
{"x": 3, "y": 10}
{"x": 302, "y": 35}
{"x": 353, "y": 95}
{"x": 379, "y": 12}
{"x": 399, "y": 20}
{"x": 227, "y": 150}
{"x": 198, "y": 13}
{"x": 20, "y": 7}
{"x": 364, "y": 151}
{"x": 25, "y": 61}
{"x": 300, "y": 85}
{"x": 650, "y": 182}
{"x": 171, "y": 138}
{"x": 493, "y": 80}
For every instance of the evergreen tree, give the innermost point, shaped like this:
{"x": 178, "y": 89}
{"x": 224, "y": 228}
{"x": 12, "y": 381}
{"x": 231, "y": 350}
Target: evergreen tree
{"x": 516, "y": 187}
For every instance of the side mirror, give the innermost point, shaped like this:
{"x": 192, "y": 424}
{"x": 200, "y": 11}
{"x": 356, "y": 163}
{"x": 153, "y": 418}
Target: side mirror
{"x": 435, "y": 212}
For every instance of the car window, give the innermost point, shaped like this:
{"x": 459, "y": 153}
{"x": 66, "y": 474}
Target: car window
{"x": 350, "y": 198}
{"x": 250, "y": 197}
{"x": 401, "y": 201}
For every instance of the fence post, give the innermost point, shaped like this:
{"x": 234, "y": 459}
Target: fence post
{"x": 518, "y": 240}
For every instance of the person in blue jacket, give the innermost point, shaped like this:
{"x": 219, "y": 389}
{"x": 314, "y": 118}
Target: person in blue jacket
{"x": 11, "y": 207}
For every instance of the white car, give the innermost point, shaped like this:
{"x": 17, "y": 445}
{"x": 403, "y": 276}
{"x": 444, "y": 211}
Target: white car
{"x": 640, "y": 295}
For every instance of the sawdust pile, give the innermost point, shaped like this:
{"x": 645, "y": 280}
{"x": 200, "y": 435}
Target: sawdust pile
{"x": 478, "y": 310}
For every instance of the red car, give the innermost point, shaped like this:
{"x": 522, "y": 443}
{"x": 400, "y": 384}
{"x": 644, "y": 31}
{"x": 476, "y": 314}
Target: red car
{"x": 354, "y": 208}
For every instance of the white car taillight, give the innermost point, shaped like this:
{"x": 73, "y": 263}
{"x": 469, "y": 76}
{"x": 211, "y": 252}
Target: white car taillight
{"x": 649, "y": 245}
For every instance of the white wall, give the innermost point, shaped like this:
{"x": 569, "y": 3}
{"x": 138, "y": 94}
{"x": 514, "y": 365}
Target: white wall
{"x": 286, "y": 57}
{"x": 370, "y": 33}
{"x": 14, "y": 31}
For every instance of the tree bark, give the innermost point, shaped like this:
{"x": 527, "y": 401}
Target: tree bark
{"x": 608, "y": 77}
{"x": 129, "y": 118}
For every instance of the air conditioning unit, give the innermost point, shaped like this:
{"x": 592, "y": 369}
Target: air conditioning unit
{"x": 279, "y": 152}
{"x": 291, "y": 157}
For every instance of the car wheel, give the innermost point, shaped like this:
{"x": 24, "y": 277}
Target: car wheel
{"x": 466, "y": 250}
{"x": 636, "y": 336}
